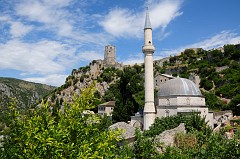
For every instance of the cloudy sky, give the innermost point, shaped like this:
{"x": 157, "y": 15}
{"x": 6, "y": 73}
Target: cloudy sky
{"x": 43, "y": 40}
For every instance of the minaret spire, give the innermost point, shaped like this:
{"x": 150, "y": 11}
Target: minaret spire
{"x": 148, "y": 49}
{"x": 147, "y": 21}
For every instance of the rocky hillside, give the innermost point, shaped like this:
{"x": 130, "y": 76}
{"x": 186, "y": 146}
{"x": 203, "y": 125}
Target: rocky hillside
{"x": 96, "y": 71}
{"x": 25, "y": 93}
{"x": 217, "y": 69}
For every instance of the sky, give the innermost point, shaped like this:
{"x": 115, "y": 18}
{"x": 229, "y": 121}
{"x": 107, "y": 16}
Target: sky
{"x": 43, "y": 40}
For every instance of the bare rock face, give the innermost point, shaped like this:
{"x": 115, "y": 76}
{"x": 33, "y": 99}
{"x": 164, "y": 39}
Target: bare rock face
{"x": 167, "y": 137}
{"x": 128, "y": 130}
{"x": 5, "y": 89}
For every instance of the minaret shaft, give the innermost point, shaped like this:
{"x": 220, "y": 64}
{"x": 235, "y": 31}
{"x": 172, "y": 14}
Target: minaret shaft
{"x": 148, "y": 49}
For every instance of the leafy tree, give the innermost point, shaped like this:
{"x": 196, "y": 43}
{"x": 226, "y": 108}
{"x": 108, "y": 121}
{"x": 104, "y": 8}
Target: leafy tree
{"x": 235, "y": 105}
{"x": 75, "y": 133}
{"x": 213, "y": 102}
{"x": 228, "y": 50}
{"x": 144, "y": 147}
{"x": 236, "y": 55}
{"x": 127, "y": 92}
{"x": 193, "y": 122}
{"x": 206, "y": 84}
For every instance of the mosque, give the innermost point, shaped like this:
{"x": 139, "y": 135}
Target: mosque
{"x": 176, "y": 96}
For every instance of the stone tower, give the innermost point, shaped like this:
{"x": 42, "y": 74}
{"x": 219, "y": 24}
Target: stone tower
{"x": 110, "y": 55}
{"x": 148, "y": 49}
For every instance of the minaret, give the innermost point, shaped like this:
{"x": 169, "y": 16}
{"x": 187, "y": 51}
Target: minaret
{"x": 148, "y": 50}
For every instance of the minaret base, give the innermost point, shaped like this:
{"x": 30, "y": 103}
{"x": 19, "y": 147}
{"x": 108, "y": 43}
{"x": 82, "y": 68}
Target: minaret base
{"x": 148, "y": 119}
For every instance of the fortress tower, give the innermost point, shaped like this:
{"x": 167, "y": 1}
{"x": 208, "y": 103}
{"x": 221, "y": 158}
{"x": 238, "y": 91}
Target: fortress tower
{"x": 148, "y": 49}
{"x": 110, "y": 55}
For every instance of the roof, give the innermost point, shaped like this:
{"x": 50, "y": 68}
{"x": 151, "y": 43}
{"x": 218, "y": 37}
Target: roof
{"x": 108, "y": 104}
{"x": 166, "y": 75}
{"x": 179, "y": 87}
{"x": 147, "y": 22}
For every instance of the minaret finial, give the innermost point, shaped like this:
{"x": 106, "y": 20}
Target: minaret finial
{"x": 147, "y": 20}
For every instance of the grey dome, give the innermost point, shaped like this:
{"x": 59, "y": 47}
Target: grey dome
{"x": 179, "y": 86}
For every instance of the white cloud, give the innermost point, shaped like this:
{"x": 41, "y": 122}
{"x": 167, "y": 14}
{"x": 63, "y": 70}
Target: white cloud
{"x": 46, "y": 11}
{"x": 216, "y": 41}
{"x": 57, "y": 17}
{"x": 18, "y": 29}
{"x": 122, "y": 22}
{"x": 89, "y": 56}
{"x": 44, "y": 57}
{"x": 51, "y": 14}
{"x": 162, "y": 12}
{"x": 53, "y": 80}
{"x": 224, "y": 37}
{"x": 134, "y": 59}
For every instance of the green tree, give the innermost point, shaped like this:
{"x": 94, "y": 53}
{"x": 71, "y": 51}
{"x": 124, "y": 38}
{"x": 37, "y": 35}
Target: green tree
{"x": 76, "y": 133}
{"x": 206, "y": 84}
{"x": 228, "y": 50}
{"x": 127, "y": 93}
{"x": 213, "y": 102}
{"x": 235, "y": 105}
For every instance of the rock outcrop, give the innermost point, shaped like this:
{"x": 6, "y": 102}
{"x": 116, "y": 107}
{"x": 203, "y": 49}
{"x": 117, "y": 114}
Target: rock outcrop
{"x": 128, "y": 130}
{"x": 168, "y": 136}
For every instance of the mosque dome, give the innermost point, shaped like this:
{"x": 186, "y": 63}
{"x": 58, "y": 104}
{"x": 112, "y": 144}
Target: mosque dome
{"x": 179, "y": 87}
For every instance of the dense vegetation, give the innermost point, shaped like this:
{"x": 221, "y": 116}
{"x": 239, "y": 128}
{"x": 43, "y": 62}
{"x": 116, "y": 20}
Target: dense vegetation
{"x": 198, "y": 142}
{"x": 50, "y": 132}
{"x": 128, "y": 92}
{"x": 73, "y": 132}
{"x": 25, "y": 93}
{"x": 219, "y": 72}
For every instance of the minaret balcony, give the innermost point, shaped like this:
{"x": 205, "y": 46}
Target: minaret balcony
{"x": 148, "y": 49}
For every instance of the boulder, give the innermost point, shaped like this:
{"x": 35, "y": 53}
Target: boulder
{"x": 168, "y": 136}
{"x": 128, "y": 130}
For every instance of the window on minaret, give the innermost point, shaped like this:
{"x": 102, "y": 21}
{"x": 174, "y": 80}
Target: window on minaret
{"x": 149, "y": 42}
{"x": 167, "y": 113}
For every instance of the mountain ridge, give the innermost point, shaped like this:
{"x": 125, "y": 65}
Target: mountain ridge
{"x": 25, "y": 93}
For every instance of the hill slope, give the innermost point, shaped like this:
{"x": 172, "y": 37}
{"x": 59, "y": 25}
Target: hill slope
{"x": 25, "y": 93}
{"x": 218, "y": 70}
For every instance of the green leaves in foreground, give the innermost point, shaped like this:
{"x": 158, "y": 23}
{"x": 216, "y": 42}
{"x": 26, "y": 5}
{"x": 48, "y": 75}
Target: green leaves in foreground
{"x": 72, "y": 133}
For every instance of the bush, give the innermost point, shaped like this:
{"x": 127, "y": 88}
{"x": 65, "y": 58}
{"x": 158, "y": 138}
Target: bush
{"x": 193, "y": 122}
{"x": 72, "y": 134}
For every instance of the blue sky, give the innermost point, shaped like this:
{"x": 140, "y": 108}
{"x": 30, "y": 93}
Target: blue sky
{"x": 43, "y": 40}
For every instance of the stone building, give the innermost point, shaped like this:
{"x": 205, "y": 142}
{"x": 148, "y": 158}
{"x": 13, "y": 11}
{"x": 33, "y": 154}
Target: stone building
{"x": 160, "y": 79}
{"x": 182, "y": 96}
{"x": 106, "y": 108}
{"x": 195, "y": 78}
{"x": 178, "y": 96}
{"x": 110, "y": 55}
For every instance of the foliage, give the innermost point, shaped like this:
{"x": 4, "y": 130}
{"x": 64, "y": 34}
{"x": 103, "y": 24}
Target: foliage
{"x": 108, "y": 74}
{"x": 127, "y": 92}
{"x": 216, "y": 146}
{"x": 235, "y": 105}
{"x": 228, "y": 50}
{"x": 193, "y": 122}
{"x": 73, "y": 133}
{"x": 25, "y": 93}
{"x": 185, "y": 141}
{"x": 206, "y": 84}
{"x": 213, "y": 102}
{"x": 143, "y": 147}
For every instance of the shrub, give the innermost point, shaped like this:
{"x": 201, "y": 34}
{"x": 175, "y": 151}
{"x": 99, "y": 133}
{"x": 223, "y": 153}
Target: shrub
{"x": 68, "y": 134}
